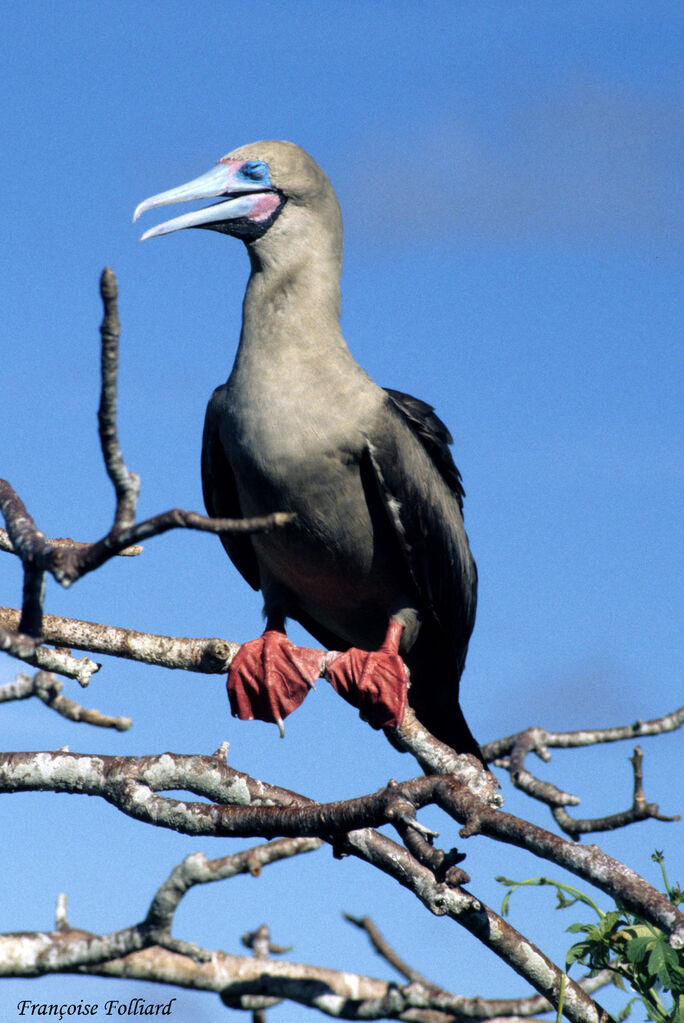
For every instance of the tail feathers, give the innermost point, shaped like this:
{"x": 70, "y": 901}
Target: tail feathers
{"x": 433, "y": 694}
{"x": 451, "y": 728}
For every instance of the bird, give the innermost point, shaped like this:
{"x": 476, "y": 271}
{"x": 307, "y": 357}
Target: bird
{"x": 375, "y": 562}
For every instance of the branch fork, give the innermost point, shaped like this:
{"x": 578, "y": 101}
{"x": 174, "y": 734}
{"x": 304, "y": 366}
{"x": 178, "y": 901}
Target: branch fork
{"x": 243, "y": 806}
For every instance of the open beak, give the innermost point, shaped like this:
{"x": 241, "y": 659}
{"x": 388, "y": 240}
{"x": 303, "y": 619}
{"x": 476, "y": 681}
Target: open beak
{"x": 246, "y": 183}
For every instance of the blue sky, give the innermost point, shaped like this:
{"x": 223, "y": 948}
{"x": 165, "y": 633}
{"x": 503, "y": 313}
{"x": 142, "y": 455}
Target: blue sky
{"x": 510, "y": 181}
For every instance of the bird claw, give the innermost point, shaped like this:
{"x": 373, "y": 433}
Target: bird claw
{"x": 373, "y": 681}
{"x": 269, "y": 677}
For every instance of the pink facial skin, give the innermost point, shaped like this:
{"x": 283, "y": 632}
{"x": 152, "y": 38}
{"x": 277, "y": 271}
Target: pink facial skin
{"x": 265, "y": 204}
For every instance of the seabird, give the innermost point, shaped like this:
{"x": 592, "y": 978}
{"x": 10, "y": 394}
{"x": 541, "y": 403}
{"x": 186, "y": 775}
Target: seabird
{"x": 375, "y": 563}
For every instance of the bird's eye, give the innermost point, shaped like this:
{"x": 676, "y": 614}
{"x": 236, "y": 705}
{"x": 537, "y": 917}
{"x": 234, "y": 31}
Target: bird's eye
{"x": 257, "y": 170}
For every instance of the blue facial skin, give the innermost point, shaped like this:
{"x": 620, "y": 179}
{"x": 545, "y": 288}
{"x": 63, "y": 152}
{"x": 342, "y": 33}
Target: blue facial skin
{"x": 255, "y": 171}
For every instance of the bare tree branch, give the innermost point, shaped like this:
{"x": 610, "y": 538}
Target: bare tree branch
{"x": 339, "y": 994}
{"x": 132, "y": 784}
{"x": 343, "y": 995}
{"x": 539, "y": 741}
{"x": 126, "y": 783}
{"x": 243, "y": 806}
{"x": 479, "y": 1008}
{"x": 384, "y": 949}
{"x": 75, "y": 950}
{"x": 197, "y": 869}
{"x": 48, "y": 688}
{"x": 26, "y": 648}
{"x": 543, "y": 739}
{"x": 211, "y": 655}
{"x": 63, "y": 541}
{"x": 126, "y": 484}
{"x": 68, "y": 563}
{"x": 639, "y": 811}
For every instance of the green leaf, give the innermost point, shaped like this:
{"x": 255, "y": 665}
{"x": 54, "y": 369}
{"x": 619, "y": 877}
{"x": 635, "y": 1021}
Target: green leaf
{"x": 676, "y": 895}
{"x": 659, "y": 962}
{"x": 677, "y": 976}
{"x": 576, "y": 928}
{"x": 611, "y": 920}
{"x": 637, "y": 949}
{"x": 576, "y": 953}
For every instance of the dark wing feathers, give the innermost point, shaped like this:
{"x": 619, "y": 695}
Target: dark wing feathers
{"x": 433, "y": 435}
{"x": 221, "y": 495}
{"x": 426, "y": 518}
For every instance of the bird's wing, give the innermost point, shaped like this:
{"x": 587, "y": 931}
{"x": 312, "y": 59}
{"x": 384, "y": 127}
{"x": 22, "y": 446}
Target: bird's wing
{"x": 421, "y": 491}
{"x": 434, "y": 435}
{"x": 221, "y": 494}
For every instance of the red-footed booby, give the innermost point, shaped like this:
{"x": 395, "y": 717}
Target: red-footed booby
{"x": 376, "y": 562}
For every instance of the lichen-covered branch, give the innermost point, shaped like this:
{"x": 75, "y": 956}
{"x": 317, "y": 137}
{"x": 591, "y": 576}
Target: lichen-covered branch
{"x": 149, "y": 951}
{"x": 211, "y": 655}
{"x": 243, "y": 806}
{"x": 130, "y": 784}
{"x": 349, "y": 996}
{"x": 471, "y": 1007}
{"x": 338, "y": 994}
{"x": 27, "y": 648}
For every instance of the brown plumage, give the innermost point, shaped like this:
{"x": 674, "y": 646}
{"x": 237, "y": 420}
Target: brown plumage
{"x": 299, "y": 426}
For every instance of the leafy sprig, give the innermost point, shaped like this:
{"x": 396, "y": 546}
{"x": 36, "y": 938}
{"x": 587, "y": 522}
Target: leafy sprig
{"x": 633, "y": 950}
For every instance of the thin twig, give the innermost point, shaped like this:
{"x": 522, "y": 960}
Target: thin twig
{"x": 587, "y": 736}
{"x": 540, "y": 741}
{"x": 126, "y": 483}
{"x": 64, "y": 541}
{"x": 48, "y": 688}
{"x": 197, "y": 869}
{"x": 640, "y": 810}
{"x": 480, "y": 1008}
{"x": 384, "y": 949}
{"x": 67, "y": 563}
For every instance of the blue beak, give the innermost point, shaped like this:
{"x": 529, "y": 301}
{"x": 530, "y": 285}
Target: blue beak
{"x": 247, "y": 181}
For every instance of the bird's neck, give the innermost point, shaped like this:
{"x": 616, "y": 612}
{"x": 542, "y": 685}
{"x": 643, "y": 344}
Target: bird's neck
{"x": 292, "y": 303}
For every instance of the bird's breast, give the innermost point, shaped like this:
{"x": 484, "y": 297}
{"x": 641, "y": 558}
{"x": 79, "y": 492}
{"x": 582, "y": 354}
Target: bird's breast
{"x": 337, "y": 557}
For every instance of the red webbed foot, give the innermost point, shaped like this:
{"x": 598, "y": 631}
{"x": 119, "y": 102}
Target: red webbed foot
{"x": 269, "y": 677}
{"x": 374, "y": 681}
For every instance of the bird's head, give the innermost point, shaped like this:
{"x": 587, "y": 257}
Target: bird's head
{"x": 255, "y": 185}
